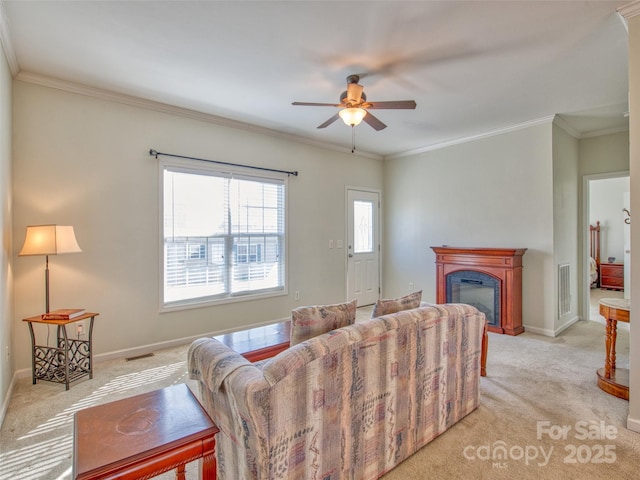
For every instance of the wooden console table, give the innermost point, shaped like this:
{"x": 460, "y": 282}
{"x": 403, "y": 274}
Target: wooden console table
{"x": 144, "y": 436}
{"x": 259, "y": 343}
{"x": 611, "y": 379}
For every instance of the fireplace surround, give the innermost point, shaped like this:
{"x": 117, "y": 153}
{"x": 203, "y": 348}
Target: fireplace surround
{"x": 488, "y": 278}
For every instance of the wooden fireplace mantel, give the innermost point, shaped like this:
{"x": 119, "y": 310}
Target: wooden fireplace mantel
{"x": 504, "y": 264}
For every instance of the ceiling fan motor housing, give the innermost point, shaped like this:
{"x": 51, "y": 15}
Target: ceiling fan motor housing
{"x": 344, "y": 98}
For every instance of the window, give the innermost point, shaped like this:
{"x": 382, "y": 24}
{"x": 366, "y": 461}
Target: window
{"x": 362, "y": 226}
{"x": 224, "y": 235}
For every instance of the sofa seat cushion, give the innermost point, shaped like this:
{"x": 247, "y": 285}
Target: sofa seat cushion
{"x": 309, "y": 322}
{"x": 394, "y": 305}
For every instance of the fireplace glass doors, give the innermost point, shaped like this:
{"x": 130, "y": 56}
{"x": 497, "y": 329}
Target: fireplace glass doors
{"x": 477, "y": 289}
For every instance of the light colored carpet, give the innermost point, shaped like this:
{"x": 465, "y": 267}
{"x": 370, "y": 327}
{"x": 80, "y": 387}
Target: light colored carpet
{"x": 535, "y": 385}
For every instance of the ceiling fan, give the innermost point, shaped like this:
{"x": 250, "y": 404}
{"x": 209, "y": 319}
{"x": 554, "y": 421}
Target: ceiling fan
{"x": 355, "y": 107}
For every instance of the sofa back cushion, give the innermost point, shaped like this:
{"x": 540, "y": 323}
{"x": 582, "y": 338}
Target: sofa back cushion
{"x": 309, "y": 322}
{"x": 394, "y": 305}
{"x": 358, "y": 400}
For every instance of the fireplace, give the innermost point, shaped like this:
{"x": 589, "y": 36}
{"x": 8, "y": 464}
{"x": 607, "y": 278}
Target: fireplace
{"x": 490, "y": 279}
{"x": 477, "y": 289}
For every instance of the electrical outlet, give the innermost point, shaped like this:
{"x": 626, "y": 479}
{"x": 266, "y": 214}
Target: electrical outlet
{"x": 330, "y": 243}
{"x": 411, "y": 286}
{"x": 297, "y": 295}
{"x": 80, "y": 329}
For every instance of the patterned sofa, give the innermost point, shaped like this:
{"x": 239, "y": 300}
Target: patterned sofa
{"x": 349, "y": 404}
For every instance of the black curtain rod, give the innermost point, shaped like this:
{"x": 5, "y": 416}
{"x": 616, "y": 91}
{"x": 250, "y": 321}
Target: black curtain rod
{"x": 155, "y": 153}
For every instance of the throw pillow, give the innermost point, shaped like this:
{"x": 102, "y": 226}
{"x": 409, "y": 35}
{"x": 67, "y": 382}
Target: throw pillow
{"x": 393, "y": 305}
{"x": 309, "y": 322}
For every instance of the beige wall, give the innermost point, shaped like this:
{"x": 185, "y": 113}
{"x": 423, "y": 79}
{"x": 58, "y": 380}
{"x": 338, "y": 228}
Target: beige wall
{"x": 565, "y": 220}
{"x": 604, "y": 154}
{"x": 599, "y": 157}
{"x": 6, "y": 274}
{"x": 84, "y": 161}
{"x": 492, "y": 192}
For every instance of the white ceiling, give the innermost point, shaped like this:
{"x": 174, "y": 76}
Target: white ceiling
{"x": 473, "y": 67}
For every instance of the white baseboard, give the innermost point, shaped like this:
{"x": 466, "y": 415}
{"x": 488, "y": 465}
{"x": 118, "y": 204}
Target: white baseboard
{"x": 633, "y": 424}
{"x": 551, "y": 333}
{"x": 154, "y": 347}
{"x": 7, "y": 399}
{"x": 566, "y": 325}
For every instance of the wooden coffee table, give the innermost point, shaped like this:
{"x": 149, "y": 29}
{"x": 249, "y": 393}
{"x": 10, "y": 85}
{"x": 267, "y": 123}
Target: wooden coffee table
{"x": 144, "y": 436}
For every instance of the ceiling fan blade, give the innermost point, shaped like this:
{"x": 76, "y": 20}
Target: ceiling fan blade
{"x": 330, "y": 121}
{"x": 311, "y": 104}
{"x": 394, "y": 104}
{"x": 374, "y": 122}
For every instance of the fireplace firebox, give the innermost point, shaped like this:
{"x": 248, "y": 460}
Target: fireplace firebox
{"x": 477, "y": 289}
{"x": 488, "y": 278}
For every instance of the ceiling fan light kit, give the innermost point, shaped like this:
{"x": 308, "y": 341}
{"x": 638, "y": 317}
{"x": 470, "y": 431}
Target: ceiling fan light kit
{"x": 352, "y": 116}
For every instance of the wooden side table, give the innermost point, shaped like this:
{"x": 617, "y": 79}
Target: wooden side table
{"x": 612, "y": 380}
{"x": 144, "y": 436}
{"x": 69, "y": 360}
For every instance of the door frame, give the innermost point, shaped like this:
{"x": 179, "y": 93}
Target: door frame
{"x": 346, "y": 235}
{"x": 586, "y": 198}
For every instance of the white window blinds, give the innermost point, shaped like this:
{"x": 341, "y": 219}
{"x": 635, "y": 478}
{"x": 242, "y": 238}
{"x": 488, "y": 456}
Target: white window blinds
{"x": 224, "y": 235}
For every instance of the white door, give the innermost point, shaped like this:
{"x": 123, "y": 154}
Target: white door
{"x": 627, "y": 244}
{"x": 363, "y": 246}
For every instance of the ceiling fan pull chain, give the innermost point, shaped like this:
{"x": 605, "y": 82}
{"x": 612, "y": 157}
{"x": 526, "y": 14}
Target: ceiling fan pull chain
{"x": 353, "y": 138}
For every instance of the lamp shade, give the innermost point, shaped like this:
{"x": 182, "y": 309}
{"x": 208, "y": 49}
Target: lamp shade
{"x": 49, "y": 240}
{"x": 352, "y": 116}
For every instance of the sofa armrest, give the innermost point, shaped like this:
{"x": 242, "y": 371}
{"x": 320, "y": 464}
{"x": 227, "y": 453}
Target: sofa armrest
{"x": 211, "y": 362}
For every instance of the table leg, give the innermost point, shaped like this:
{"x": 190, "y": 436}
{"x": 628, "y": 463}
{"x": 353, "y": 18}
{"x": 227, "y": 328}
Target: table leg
{"x": 607, "y": 349}
{"x": 485, "y": 349}
{"x": 90, "y": 338}
{"x": 33, "y": 353}
{"x": 614, "y": 335}
{"x": 209, "y": 466}
{"x": 65, "y": 341}
{"x": 180, "y": 473}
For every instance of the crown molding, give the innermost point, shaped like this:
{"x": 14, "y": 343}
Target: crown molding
{"x": 564, "y": 125}
{"x": 226, "y": 122}
{"x": 179, "y": 111}
{"x": 630, "y": 9}
{"x": 499, "y": 131}
{"x": 607, "y": 131}
{"x": 7, "y": 44}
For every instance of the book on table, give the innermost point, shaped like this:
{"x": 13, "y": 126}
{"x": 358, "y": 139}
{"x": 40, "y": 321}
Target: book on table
{"x": 63, "y": 314}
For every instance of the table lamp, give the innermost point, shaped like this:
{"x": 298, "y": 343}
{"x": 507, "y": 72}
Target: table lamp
{"x": 49, "y": 240}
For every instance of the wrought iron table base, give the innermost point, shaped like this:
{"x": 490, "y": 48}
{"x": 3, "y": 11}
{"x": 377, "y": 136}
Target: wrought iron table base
{"x": 70, "y": 360}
